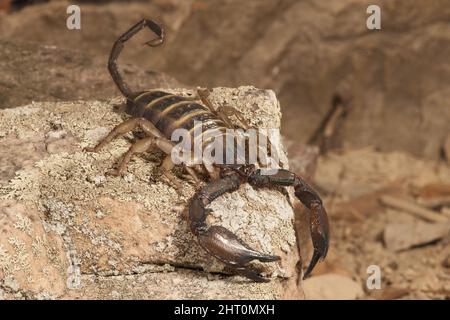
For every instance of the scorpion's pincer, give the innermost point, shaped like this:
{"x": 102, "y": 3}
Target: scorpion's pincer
{"x": 320, "y": 233}
{"x": 219, "y": 241}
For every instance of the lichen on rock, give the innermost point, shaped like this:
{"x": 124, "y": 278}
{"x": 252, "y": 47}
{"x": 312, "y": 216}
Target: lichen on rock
{"x": 73, "y": 231}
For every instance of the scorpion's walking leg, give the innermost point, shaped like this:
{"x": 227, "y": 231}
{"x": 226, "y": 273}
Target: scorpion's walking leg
{"x": 166, "y": 167}
{"x": 141, "y": 146}
{"x": 217, "y": 240}
{"x": 192, "y": 174}
{"x": 124, "y": 127}
{"x": 223, "y": 112}
{"x": 228, "y": 111}
{"x": 137, "y": 147}
{"x": 306, "y": 194}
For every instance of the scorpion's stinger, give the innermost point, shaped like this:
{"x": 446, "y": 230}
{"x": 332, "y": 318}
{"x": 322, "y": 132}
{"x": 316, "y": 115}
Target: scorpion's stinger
{"x": 119, "y": 44}
{"x": 320, "y": 233}
{"x": 219, "y": 241}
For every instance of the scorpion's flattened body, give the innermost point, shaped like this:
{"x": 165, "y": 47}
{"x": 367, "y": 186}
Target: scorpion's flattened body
{"x": 159, "y": 114}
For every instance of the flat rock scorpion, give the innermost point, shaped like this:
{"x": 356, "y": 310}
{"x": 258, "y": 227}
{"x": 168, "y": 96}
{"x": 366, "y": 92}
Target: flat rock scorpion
{"x": 158, "y": 114}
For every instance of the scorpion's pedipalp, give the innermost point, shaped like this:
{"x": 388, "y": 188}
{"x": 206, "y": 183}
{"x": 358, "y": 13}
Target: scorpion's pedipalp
{"x": 320, "y": 233}
{"x": 217, "y": 240}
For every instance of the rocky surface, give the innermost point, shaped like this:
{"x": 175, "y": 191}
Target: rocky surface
{"x": 69, "y": 230}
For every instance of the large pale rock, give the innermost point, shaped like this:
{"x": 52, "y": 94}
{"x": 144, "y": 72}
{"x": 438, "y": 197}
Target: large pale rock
{"x": 68, "y": 230}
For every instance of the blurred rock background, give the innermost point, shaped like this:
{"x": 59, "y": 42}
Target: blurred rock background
{"x": 371, "y": 105}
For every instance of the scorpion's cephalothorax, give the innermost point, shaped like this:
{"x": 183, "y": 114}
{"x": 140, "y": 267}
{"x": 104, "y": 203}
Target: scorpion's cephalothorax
{"x": 159, "y": 114}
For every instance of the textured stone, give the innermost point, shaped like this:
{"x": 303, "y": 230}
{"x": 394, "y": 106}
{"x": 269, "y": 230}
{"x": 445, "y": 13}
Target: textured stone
{"x": 407, "y": 235}
{"x": 71, "y": 231}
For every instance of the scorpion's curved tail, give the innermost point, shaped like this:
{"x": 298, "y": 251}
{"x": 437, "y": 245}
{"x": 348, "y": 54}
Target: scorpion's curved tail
{"x": 119, "y": 44}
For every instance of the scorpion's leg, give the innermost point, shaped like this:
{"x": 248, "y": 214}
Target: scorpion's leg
{"x": 192, "y": 174}
{"x": 217, "y": 240}
{"x": 166, "y": 167}
{"x": 211, "y": 170}
{"x": 124, "y": 127}
{"x": 222, "y": 112}
{"x": 137, "y": 147}
{"x": 306, "y": 194}
{"x": 228, "y": 111}
{"x": 141, "y": 146}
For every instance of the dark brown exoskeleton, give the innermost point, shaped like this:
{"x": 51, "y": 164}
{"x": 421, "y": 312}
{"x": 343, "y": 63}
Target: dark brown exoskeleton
{"x": 158, "y": 114}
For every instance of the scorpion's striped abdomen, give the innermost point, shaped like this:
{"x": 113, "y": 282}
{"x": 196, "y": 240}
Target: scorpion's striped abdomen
{"x": 169, "y": 112}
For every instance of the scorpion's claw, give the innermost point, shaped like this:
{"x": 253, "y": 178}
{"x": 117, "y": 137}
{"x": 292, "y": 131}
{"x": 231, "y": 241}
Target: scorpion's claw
{"x": 227, "y": 247}
{"x": 318, "y": 222}
{"x": 319, "y": 234}
{"x": 219, "y": 241}
{"x": 305, "y": 193}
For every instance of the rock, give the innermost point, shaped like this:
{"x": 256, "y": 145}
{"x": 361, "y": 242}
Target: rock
{"x": 169, "y": 284}
{"x": 359, "y": 172}
{"x": 332, "y": 287}
{"x": 400, "y": 236}
{"x": 70, "y": 231}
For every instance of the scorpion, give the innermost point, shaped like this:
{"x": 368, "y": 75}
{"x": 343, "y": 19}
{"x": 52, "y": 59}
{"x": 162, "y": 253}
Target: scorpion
{"x": 157, "y": 114}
